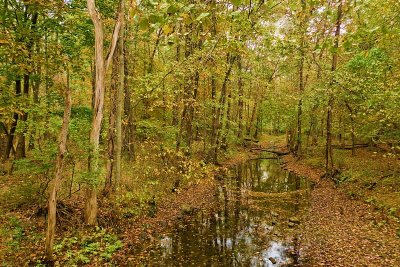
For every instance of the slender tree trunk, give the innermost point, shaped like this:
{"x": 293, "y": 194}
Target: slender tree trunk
{"x": 93, "y": 81}
{"x": 253, "y": 116}
{"x": 328, "y": 149}
{"x": 192, "y": 102}
{"x": 224, "y": 142}
{"x": 353, "y": 136}
{"x": 14, "y": 123}
{"x": 303, "y": 29}
{"x": 101, "y": 68}
{"x": 36, "y": 84}
{"x": 221, "y": 107}
{"x": 112, "y": 128}
{"x": 129, "y": 129}
{"x": 52, "y": 205}
{"x": 258, "y": 127}
{"x": 20, "y": 151}
{"x": 120, "y": 108}
{"x": 214, "y": 124}
{"x": 189, "y": 126}
{"x": 240, "y": 100}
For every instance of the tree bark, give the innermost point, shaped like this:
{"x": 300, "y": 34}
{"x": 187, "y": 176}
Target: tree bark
{"x": 240, "y": 96}
{"x": 20, "y": 151}
{"x": 129, "y": 129}
{"x": 120, "y": 108}
{"x": 221, "y": 108}
{"x": 353, "y": 136}
{"x": 112, "y": 129}
{"x": 52, "y": 205}
{"x": 253, "y": 116}
{"x": 328, "y": 149}
{"x": 14, "y": 123}
{"x": 303, "y": 28}
{"x": 101, "y": 68}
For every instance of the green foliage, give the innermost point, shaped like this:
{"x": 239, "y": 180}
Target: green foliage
{"x": 13, "y": 232}
{"x": 100, "y": 244}
{"x": 236, "y": 2}
{"x": 342, "y": 178}
{"x": 154, "y": 129}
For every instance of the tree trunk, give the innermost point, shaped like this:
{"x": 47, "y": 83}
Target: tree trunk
{"x": 328, "y": 149}
{"x": 112, "y": 128}
{"x": 224, "y": 142}
{"x": 129, "y": 129}
{"x": 101, "y": 68}
{"x": 214, "y": 125}
{"x": 240, "y": 100}
{"x": 52, "y": 205}
{"x": 303, "y": 29}
{"x": 120, "y": 108}
{"x": 221, "y": 108}
{"x": 253, "y": 116}
{"x": 14, "y": 123}
{"x": 21, "y": 145}
{"x": 353, "y": 136}
{"x": 20, "y": 151}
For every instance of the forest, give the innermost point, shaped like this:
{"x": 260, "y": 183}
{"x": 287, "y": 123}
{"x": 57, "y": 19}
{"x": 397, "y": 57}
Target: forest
{"x": 199, "y": 133}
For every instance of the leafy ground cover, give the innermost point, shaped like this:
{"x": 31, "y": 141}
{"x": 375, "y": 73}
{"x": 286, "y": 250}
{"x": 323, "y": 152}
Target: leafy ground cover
{"x": 343, "y": 226}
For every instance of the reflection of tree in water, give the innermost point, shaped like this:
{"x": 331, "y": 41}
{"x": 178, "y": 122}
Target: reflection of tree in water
{"x": 239, "y": 233}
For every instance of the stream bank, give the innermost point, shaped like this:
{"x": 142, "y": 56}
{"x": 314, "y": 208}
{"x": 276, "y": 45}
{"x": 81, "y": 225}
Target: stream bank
{"x": 257, "y": 210}
{"x": 341, "y": 231}
{"x": 335, "y": 230}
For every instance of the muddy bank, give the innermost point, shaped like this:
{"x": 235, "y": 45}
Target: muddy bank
{"x": 340, "y": 231}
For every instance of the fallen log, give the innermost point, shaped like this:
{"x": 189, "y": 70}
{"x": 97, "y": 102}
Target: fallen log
{"x": 349, "y": 147}
{"x": 257, "y": 158}
{"x": 277, "y": 152}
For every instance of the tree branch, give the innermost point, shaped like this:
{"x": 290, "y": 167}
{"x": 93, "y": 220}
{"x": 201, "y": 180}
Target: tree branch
{"x": 115, "y": 35}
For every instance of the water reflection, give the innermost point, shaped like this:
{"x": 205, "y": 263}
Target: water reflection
{"x": 250, "y": 227}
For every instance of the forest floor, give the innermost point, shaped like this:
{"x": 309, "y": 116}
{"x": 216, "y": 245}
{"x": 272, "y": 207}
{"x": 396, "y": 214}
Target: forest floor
{"x": 126, "y": 223}
{"x": 353, "y": 222}
{"x": 344, "y": 227}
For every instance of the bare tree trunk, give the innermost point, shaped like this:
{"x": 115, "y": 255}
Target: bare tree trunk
{"x": 214, "y": 125}
{"x": 112, "y": 131}
{"x": 221, "y": 107}
{"x": 252, "y": 118}
{"x": 328, "y": 149}
{"x": 120, "y": 108}
{"x": 129, "y": 129}
{"x": 193, "y": 99}
{"x": 52, "y": 205}
{"x": 240, "y": 95}
{"x": 303, "y": 29}
{"x": 224, "y": 142}
{"x": 189, "y": 126}
{"x": 20, "y": 151}
{"x": 353, "y": 136}
{"x": 11, "y": 135}
{"x": 93, "y": 81}
{"x": 101, "y": 68}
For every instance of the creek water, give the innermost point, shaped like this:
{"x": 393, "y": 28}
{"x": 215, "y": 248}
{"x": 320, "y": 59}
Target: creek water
{"x": 258, "y": 206}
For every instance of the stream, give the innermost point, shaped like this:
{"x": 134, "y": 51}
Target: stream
{"x": 259, "y": 207}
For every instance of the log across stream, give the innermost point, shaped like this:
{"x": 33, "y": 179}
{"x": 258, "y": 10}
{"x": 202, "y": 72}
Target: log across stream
{"x": 259, "y": 208}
